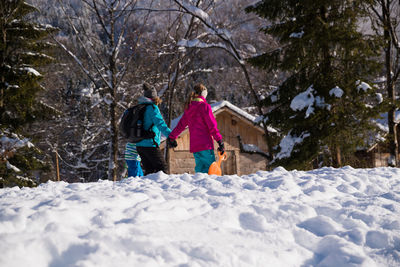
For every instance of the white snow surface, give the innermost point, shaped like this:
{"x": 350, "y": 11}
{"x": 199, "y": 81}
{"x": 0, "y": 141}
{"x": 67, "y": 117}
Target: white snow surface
{"x": 32, "y": 71}
{"x": 251, "y": 148}
{"x": 199, "y": 44}
{"x": 12, "y": 167}
{"x": 303, "y": 100}
{"x": 218, "y": 105}
{"x": 362, "y": 86}
{"x": 325, "y": 217}
{"x": 307, "y": 100}
{"x": 296, "y": 34}
{"x": 288, "y": 143}
{"x": 13, "y": 142}
{"x": 337, "y": 92}
{"x": 197, "y": 11}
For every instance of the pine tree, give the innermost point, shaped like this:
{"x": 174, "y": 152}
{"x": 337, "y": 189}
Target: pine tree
{"x": 326, "y": 103}
{"x": 21, "y": 46}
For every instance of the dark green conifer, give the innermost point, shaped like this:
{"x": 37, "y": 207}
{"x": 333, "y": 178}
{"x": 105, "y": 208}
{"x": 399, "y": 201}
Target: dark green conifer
{"x": 328, "y": 59}
{"x": 22, "y": 43}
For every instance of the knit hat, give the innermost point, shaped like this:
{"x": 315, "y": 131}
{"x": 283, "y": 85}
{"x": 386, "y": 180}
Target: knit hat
{"x": 198, "y": 88}
{"x": 149, "y": 91}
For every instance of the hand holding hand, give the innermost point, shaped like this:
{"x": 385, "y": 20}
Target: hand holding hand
{"x": 172, "y": 143}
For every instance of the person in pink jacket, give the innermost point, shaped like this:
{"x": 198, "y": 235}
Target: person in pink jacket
{"x": 202, "y": 125}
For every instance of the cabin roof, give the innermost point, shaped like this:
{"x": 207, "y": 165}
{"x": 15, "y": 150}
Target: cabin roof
{"x": 219, "y": 105}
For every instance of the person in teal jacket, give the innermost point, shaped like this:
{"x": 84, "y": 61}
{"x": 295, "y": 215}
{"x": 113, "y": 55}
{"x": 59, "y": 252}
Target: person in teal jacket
{"x": 148, "y": 149}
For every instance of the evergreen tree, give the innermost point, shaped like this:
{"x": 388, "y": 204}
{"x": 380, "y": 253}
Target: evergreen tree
{"x": 326, "y": 103}
{"x": 21, "y": 46}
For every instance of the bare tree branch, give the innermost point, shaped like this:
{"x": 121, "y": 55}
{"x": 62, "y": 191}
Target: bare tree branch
{"x": 84, "y": 47}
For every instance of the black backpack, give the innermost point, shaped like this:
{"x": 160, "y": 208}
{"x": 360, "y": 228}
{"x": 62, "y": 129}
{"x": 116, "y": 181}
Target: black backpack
{"x": 131, "y": 124}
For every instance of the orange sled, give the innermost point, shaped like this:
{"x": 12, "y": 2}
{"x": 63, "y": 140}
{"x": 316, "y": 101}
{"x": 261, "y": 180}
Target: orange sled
{"x": 215, "y": 167}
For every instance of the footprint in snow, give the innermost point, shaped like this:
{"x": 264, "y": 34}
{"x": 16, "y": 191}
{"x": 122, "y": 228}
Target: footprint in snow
{"x": 320, "y": 225}
{"x": 377, "y": 239}
{"x": 253, "y": 222}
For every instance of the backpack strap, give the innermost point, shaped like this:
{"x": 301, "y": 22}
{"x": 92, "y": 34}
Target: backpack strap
{"x": 151, "y": 126}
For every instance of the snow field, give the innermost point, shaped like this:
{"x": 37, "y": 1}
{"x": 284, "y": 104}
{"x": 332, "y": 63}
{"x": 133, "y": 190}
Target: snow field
{"x": 324, "y": 217}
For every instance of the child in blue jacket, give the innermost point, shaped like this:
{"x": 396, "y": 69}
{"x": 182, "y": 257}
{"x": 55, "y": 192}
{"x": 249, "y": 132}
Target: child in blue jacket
{"x": 132, "y": 160}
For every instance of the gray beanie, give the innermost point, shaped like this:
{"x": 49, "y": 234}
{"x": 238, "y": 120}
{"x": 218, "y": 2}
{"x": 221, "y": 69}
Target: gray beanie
{"x": 149, "y": 91}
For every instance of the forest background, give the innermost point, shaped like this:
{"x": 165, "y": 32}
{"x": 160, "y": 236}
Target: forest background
{"x": 92, "y": 57}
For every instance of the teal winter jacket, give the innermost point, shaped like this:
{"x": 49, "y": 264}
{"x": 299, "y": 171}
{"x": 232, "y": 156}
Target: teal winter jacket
{"x": 152, "y": 116}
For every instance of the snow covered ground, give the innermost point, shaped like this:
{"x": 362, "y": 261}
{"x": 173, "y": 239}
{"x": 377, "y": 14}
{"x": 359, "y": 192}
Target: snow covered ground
{"x": 326, "y": 217}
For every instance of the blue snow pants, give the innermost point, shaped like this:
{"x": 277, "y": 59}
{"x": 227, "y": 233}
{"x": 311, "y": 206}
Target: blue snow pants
{"x": 134, "y": 169}
{"x": 203, "y": 160}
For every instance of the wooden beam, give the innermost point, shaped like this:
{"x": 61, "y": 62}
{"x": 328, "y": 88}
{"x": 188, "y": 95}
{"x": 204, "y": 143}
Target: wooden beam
{"x": 57, "y": 167}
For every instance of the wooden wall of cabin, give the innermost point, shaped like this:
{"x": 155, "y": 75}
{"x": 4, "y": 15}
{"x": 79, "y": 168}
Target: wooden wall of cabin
{"x": 251, "y": 163}
{"x": 182, "y": 161}
{"x": 380, "y": 159}
{"x": 230, "y": 126}
{"x": 379, "y": 156}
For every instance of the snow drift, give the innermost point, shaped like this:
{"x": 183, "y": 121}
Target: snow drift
{"x": 325, "y": 217}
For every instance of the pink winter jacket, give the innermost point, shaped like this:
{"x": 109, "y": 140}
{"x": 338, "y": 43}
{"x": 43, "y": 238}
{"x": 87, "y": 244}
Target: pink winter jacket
{"x": 202, "y": 126}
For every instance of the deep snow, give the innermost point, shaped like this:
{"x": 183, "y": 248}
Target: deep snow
{"x": 325, "y": 217}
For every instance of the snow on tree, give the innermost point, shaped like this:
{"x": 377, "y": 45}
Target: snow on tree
{"x": 320, "y": 107}
{"x": 22, "y": 50}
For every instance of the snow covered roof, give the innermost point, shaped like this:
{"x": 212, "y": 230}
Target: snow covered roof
{"x": 219, "y": 105}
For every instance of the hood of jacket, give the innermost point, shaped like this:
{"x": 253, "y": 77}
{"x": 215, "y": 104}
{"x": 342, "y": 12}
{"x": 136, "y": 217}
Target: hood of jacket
{"x": 145, "y": 100}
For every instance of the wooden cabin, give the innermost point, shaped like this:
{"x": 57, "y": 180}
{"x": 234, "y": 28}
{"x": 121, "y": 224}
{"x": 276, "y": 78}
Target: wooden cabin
{"x": 377, "y": 154}
{"x": 245, "y": 157}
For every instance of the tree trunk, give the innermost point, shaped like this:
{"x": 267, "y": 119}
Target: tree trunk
{"x": 3, "y": 55}
{"x": 113, "y": 164}
{"x": 170, "y": 97}
{"x": 392, "y": 137}
{"x": 338, "y": 157}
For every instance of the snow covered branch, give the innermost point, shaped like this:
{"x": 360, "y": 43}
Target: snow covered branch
{"x": 8, "y": 147}
{"x": 252, "y": 149}
{"x": 205, "y": 19}
{"x": 288, "y": 143}
{"x": 84, "y": 49}
{"x": 76, "y": 59}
